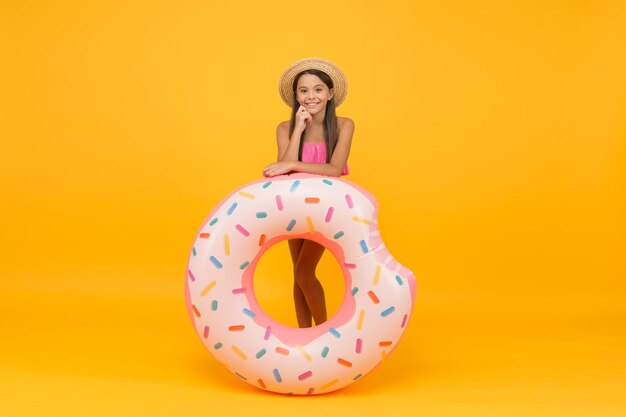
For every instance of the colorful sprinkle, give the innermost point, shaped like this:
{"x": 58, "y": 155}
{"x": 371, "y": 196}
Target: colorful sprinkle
{"x": 193, "y": 251}
{"x": 246, "y": 195}
{"x": 311, "y": 200}
{"x": 377, "y": 275}
{"x": 310, "y": 391}
{"x": 338, "y": 235}
{"x": 349, "y": 201}
{"x": 213, "y": 222}
{"x": 239, "y": 352}
{"x": 226, "y": 245}
{"x": 388, "y": 311}
{"x": 328, "y": 385}
{"x": 354, "y": 290}
{"x": 294, "y": 186}
{"x": 268, "y": 332}
{"x": 305, "y": 375}
{"x": 249, "y": 313}
{"x": 236, "y": 328}
{"x": 359, "y": 325}
{"x": 217, "y": 346}
{"x": 242, "y": 230}
{"x": 361, "y": 220}
{"x": 244, "y": 265}
{"x": 325, "y": 351}
{"x": 208, "y": 288}
{"x": 214, "y": 305}
{"x": 325, "y": 181}
{"x": 344, "y": 362}
{"x": 291, "y": 224}
{"x": 261, "y": 240}
{"x": 310, "y": 224}
{"x": 406, "y": 316}
{"x": 399, "y": 279}
{"x": 267, "y": 184}
{"x": 334, "y": 332}
{"x": 373, "y": 297}
{"x": 363, "y": 246}
{"x": 206, "y": 332}
{"x": 277, "y": 375}
{"x": 349, "y": 266}
{"x": 215, "y": 262}
{"x": 329, "y": 214}
{"x": 241, "y": 376}
{"x": 190, "y": 275}
{"x": 357, "y": 377}
{"x": 260, "y": 353}
{"x": 195, "y": 310}
{"x": 261, "y": 383}
{"x": 304, "y": 353}
{"x": 359, "y": 345}
{"x": 231, "y": 209}
{"x": 261, "y": 215}
{"x": 239, "y": 290}
{"x": 281, "y": 351}
{"x": 279, "y": 203}
{"x": 385, "y": 343}
{"x": 204, "y": 235}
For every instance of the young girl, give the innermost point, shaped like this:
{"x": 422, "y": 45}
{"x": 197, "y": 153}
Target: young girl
{"x": 316, "y": 141}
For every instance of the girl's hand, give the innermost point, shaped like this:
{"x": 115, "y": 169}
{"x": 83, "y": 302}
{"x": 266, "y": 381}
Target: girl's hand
{"x": 278, "y": 168}
{"x": 303, "y": 118}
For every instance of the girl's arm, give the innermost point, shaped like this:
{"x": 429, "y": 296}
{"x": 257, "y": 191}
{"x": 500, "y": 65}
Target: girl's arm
{"x": 320, "y": 169}
{"x": 287, "y": 149}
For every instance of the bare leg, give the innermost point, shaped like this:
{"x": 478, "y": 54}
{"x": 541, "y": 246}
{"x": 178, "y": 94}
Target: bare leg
{"x": 303, "y": 314}
{"x": 310, "y": 255}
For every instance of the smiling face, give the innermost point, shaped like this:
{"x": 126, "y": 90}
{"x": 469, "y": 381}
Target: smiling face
{"x": 312, "y": 93}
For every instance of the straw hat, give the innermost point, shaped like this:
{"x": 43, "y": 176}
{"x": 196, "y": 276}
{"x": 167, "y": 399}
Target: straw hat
{"x": 285, "y": 85}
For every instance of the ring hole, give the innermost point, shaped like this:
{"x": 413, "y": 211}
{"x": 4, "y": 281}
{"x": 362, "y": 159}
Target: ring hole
{"x": 273, "y": 283}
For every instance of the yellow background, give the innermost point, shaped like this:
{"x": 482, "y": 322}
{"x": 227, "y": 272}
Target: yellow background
{"x": 492, "y": 133}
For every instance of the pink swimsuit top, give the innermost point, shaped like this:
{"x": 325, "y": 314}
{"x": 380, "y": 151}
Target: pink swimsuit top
{"x": 316, "y": 153}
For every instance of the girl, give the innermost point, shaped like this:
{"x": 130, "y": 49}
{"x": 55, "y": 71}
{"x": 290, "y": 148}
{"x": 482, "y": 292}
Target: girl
{"x": 316, "y": 141}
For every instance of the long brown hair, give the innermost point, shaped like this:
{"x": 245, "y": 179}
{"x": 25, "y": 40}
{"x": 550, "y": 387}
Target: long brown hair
{"x": 330, "y": 118}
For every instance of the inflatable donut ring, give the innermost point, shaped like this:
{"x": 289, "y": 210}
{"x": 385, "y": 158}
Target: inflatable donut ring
{"x": 377, "y": 303}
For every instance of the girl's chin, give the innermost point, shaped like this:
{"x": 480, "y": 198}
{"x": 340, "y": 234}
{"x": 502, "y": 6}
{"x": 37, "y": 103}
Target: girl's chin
{"x": 315, "y": 110}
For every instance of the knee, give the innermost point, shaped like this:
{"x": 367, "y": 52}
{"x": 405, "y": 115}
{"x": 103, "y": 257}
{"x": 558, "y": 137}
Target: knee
{"x": 303, "y": 274}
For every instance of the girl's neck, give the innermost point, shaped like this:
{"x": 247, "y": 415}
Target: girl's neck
{"x": 318, "y": 119}
{"x": 314, "y": 131}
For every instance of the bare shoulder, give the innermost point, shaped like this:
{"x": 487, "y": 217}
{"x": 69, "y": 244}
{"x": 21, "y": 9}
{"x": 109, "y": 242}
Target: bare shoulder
{"x": 282, "y": 131}
{"x": 345, "y": 123}
{"x": 283, "y": 125}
